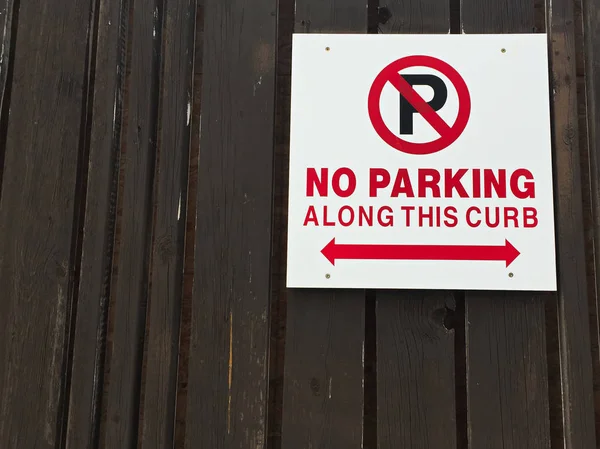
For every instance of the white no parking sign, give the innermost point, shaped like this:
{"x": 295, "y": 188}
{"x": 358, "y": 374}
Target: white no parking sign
{"x": 421, "y": 162}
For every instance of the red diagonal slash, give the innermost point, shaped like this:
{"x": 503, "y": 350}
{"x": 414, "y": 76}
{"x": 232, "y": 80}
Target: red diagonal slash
{"x": 391, "y": 74}
{"x": 420, "y": 105}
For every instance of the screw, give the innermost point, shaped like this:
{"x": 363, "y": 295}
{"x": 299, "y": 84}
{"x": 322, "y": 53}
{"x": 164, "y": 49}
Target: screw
{"x": 327, "y": 276}
{"x": 503, "y": 50}
{"x": 510, "y": 275}
{"x": 327, "y": 48}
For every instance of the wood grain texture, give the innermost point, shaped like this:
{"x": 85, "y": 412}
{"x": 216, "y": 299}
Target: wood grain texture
{"x": 423, "y": 17}
{"x": 8, "y": 29}
{"x": 507, "y": 373}
{"x": 104, "y": 136}
{"x": 166, "y": 277}
{"x": 415, "y": 371}
{"x": 190, "y": 240}
{"x": 129, "y": 291}
{"x": 324, "y": 350}
{"x": 505, "y": 16}
{"x": 37, "y": 213}
{"x": 285, "y": 28}
{"x": 228, "y": 361}
{"x": 505, "y": 332}
{"x": 590, "y": 54}
{"x": 574, "y": 337}
{"x": 330, "y": 16}
{"x": 323, "y": 394}
{"x": 415, "y": 352}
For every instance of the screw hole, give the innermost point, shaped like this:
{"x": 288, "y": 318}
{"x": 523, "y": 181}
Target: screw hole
{"x": 327, "y": 48}
{"x": 503, "y": 50}
{"x": 510, "y": 275}
{"x": 327, "y": 276}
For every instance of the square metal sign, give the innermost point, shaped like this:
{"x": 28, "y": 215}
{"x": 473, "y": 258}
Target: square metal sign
{"x": 421, "y": 162}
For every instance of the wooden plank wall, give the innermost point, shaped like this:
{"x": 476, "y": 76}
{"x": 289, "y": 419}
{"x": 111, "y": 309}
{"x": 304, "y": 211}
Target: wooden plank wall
{"x": 143, "y": 197}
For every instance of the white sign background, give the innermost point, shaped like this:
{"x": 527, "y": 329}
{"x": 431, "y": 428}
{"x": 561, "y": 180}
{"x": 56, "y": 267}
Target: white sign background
{"x": 508, "y": 128}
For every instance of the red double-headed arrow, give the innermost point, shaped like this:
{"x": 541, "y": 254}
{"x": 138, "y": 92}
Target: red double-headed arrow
{"x": 506, "y": 252}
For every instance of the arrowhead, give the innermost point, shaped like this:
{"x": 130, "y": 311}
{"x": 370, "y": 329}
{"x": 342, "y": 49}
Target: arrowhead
{"x": 329, "y": 251}
{"x": 510, "y": 253}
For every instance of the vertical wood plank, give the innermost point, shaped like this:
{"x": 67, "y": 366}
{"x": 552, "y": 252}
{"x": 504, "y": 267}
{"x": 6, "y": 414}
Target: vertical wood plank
{"x": 6, "y": 59}
{"x": 323, "y": 373}
{"x": 415, "y": 351}
{"x": 99, "y": 222}
{"x": 425, "y": 17}
{"x": 166, "y": 277}
{"x": 573, "y": 318}
{"x": 227, "y": 393}
{"x": 130, "y": 283}
{"x": 190, "y": 240}
{"x": 285, "y": 29}
{"x": 507, "y": 375}
{"x": 507, "y": 372}
{"x": 415, "y": 371}
{"x": 591, "y": 35}
{"x": 323, "y": 394}
{"x": 37, "y": 213}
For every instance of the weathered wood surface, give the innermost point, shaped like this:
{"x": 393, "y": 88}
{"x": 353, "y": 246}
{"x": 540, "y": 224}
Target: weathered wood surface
{"x": 323, "y": 401}
{"x": 229, "y": 336}
{"x": 129, "y": 293}
{"x": 415, "y": 372}
{"x": 8, "y": 28}
{"x": 39, "y": 210}
{"x": 590, "y": 56}
{"x": 143, "y": 178}
{"x": 506, "y": 372}
{"x": 573, "y": 324}
{"x": 166, "y": 275}
{"x": 104, "y": 136}
{"x": 323, "y": 381}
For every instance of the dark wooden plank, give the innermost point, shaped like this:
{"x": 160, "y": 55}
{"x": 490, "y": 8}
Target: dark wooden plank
{"x": 166, "y": 279}
{"x": 285, "y": 28}
{"x": 415, "y": 351}
{"x": 505, "y": 16}
{"x": 132, "y": 252}
{"x": 6, "y": 47}
{"x": 227, "y": 393}
{"x": 591, "y": 56}
{"x": 507, "y": 372}
{"x": 507, "y": 378}
{"x": 190, "y": 239}
{"x": 98, "y": 227}
{"x": 323, "y": 394}
{"x": 37, "y": 211}
{"x": 324, "y": 350}
{"x": 415, "y": 371}
{"x": 574, "y": 337}
{"x": 425, "y": 17}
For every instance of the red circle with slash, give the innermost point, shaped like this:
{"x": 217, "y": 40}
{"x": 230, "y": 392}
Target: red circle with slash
{"x": 448, "y": 134}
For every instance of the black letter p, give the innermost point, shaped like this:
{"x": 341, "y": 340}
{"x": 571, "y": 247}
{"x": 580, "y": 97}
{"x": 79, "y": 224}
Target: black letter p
{"x": 440, "y": 95}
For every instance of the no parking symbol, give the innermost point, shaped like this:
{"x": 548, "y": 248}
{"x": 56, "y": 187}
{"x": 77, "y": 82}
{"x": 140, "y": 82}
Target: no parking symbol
{"x": 421, "y": 162}
{"x": 412, "y": 103}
